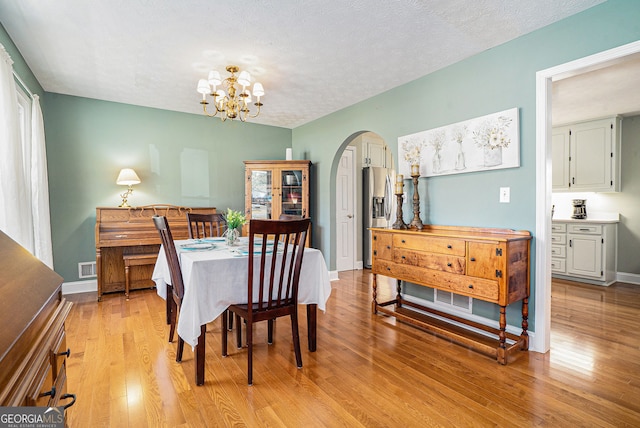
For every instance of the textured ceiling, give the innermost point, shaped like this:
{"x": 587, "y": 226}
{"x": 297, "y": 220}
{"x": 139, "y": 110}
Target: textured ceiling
{"x": 313, "y": 57}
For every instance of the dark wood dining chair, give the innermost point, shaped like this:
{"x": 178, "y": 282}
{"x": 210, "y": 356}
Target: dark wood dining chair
{"x": 177, "y": 285}
{"x": 206, "y": 225}
{"x": 274, "y": 277}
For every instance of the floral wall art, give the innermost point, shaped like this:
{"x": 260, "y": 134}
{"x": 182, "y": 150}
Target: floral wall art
{"x": 484, "y": 143}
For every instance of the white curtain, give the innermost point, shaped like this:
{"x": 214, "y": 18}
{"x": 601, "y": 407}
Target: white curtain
{"x": 24, "y": 194}
{"x": 40, "y": 187}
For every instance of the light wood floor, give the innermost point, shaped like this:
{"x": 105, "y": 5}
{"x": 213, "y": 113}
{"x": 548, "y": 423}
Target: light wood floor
{"x": 368, "y": 371}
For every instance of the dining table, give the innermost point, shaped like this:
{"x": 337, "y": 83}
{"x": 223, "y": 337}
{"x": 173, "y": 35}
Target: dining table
{"x": 215, "y": 275}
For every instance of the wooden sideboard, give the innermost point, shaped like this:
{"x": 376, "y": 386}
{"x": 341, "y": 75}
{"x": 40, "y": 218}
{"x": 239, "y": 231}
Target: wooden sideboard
{"x": 486, "y": 264}
{"x": 33, "y": 350}
{"x": 130, "y": 231}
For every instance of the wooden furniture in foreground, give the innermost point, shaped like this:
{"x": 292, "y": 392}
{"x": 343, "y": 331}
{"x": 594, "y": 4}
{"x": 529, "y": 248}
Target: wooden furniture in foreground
{"x": 177, "y": 286}
{"x": 485, "y": 264}
{"x": 33, "y": 351}
{"x": 277, "y": 296}
{"x": 127, "y": 233}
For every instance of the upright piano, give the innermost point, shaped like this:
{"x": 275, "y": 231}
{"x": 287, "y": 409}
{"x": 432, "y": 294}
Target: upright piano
{"x": 129, "y": 231}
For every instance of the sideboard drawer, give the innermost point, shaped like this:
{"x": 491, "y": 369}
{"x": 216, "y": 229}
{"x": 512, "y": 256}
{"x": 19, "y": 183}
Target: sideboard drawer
{"x": 480, "y": 288}
{"x": 558, "y": 238}
{"x": 441, "y": 262}
{"x": 454, "y": 247}
{"x": 558, "y": 227}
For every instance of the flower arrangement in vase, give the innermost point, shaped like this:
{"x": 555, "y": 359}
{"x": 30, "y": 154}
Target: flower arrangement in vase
{"x": 437, "y": 141}
{"x": 235, "y": 220}
{"x": 493, "y": 137}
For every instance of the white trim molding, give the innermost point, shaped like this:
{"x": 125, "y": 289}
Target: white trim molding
{"x": 541, "y": 341}
{"x": 629, "y": 278}
{"x": 80, "y": 287}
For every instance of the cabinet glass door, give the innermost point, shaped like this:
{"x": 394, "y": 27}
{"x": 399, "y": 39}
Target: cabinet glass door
{"x": 261, "y": 191}
{"x": 292, "y": 193}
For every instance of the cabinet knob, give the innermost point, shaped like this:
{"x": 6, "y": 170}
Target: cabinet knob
{"x": 470, "y": 285}
{"x": 375, "y": 253}
{"x": 403, "y": 257}
{"x": 388, "y": 268}
{"x": 449, "y": 246}
{"x": 403, "y": 241}
{"x": 67, "y": 353}
{"x": 448, "y": 264}
{"x": 51, "y": 393}
{"x": 375, "y": 237}
{"x": 473, "y": 259}
{"x": 388, "y": 247}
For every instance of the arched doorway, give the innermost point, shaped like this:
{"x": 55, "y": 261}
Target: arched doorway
{"x": 360, "y": 150}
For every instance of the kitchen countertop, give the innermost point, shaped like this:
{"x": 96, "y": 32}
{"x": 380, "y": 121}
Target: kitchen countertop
{"x": 591, "y": 218}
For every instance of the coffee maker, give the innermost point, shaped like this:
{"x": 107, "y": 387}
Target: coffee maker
{"x": 579, "y": 208}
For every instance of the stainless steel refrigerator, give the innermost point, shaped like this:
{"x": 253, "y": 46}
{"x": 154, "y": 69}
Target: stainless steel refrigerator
{"x": 377, "y": 205}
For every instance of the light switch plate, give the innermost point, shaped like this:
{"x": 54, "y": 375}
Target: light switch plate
{"x": 505, "y": 195}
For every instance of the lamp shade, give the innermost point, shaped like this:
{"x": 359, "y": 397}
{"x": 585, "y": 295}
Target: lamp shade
{"x": 203, "y": 87}
{"x": 127, "y": 177}
{"x": 244, "y": 79}
{"x": 258, "y": 90}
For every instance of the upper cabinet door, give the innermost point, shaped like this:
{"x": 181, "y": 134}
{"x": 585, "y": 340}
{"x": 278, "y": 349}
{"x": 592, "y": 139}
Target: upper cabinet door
{"x": 591, "y": 156}
{"x": 260, "y": 194}
{"x": 560, "y": 158}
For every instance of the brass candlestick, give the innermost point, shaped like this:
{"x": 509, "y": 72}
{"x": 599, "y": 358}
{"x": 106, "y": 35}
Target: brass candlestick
{"x": 399, "y": 224}
{"x": 416, "y": 222}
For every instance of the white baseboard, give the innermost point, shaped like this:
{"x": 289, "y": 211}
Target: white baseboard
{"x": 80, "y": 286}
{"x": 359, "y": 265}
{"x": 630, "y": 278}
{"x": 333, "y": 275}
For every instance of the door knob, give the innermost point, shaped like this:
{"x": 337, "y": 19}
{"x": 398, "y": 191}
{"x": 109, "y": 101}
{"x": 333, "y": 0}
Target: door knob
{"x": 349, "y": 216}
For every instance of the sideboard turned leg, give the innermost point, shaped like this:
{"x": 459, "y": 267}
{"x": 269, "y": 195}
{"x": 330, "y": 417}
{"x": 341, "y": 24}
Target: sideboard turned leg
{"x": 502, "y": 348}
{"x": 525, "y": 324}
{"x": 398, "y": 293}
{"x": 374, "y": 303}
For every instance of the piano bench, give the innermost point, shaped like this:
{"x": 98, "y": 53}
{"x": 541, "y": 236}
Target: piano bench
{"x": 136, "y": 260}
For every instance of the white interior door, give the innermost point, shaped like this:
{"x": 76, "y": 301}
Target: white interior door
{"x": 346, "y": 211}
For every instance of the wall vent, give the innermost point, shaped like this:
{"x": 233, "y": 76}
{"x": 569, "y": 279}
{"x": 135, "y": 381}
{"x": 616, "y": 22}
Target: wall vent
{"x": 447, "y": 298}
{"x": 87, "y": 270}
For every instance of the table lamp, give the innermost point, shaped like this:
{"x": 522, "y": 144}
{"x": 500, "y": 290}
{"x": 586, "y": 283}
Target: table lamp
{"x": 127, "y": 177}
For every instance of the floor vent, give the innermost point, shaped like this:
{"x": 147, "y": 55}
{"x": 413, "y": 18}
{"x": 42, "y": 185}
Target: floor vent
{"x": 447, "y": 298}
{"x": 87, "y": 270}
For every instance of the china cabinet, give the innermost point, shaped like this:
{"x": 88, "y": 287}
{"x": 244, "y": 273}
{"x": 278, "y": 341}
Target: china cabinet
{"x": 586, "y": 156}
{"x": 273, "y": 188}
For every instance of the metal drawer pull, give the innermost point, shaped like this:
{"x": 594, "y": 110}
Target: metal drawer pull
{"x": 73, "y": 401}
{"x": 403, "y": 241}
{"x": 375, "y": 253}
{"x": 584, "y": 229}
{"x": 67, "y": 353}
{"x": 473, "y": 259}
{"x": 449, "y": 247}
{"x": 403, "y": 257}
{"x": 388, "y": 247}
{"x": 52, "y": 393}
{"x": 388, "y": 268}
{"x": 470, "y": 285}
{"x": 448, "y": 264}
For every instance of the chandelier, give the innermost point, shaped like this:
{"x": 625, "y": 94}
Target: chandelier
{"x": 235, "y": 103}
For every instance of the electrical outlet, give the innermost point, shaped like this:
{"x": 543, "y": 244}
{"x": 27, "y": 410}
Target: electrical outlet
{"x": 505, "y": 195}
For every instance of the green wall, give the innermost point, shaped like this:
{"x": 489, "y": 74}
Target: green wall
{"x": 495, "y": 80}
{"x": 182, "y": 159}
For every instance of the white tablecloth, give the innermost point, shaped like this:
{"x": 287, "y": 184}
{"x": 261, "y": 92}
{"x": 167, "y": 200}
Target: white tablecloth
{"x": 215, "y": 279}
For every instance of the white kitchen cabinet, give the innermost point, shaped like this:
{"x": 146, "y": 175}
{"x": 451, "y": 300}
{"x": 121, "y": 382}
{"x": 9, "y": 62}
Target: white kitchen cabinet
{"x": 374, "y": 151}
{"x": 560, "y": 158}
{"x": 584, "y": 251}
{"x": 586, "y": 156}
